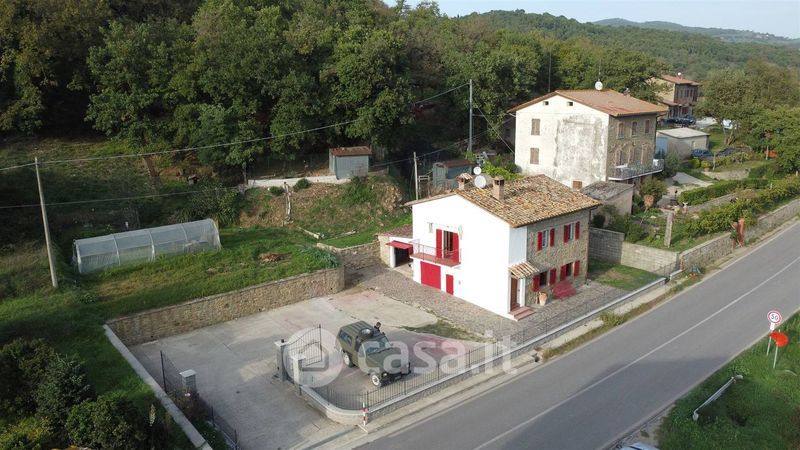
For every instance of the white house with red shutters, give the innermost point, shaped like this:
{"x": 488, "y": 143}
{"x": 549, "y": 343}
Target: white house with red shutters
{"x": 500, "y": 246}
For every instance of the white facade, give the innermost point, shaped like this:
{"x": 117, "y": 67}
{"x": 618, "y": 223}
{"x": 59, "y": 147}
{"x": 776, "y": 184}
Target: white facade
{"x": 572, "y": 142}
{"x": 487, "y": 246}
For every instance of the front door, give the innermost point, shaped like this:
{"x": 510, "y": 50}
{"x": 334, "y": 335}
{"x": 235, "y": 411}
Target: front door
{"x": 448, "y": 284}
{"x": 514, "y": 302}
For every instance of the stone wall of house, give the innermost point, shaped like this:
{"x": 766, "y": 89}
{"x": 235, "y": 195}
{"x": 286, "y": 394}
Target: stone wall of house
{"x": 555, "y": 256}
{"x": 202, "y": 312}
{"x": 383, "y": 249}
{"x": 356, "y": 257}
{"x": 606, "y": 245}
{"x": 631, "y": 150}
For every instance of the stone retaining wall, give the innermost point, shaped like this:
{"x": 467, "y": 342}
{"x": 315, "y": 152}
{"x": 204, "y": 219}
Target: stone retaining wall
{"x": 713, "y": 203}
{"x": 356, "y": 257}
{"x": 773, "y": 219}
{"x": 707, "y": 252}
{"x": 202, "y": 312}
{"x": 607, "y": 245}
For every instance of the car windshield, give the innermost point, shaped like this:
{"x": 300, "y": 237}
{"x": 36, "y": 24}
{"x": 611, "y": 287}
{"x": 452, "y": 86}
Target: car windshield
{"x": 376, "y": 345}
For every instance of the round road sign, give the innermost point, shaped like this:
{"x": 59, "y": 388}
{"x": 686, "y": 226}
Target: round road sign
{"x": 774, "y": 317}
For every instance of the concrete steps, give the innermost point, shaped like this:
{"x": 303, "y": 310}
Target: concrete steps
{"x": 521, "y": 312}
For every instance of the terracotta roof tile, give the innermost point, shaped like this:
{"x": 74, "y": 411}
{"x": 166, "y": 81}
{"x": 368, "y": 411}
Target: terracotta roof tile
{"x": 530, "y": 200}
{"x": 679, "y": 80}
{"x": 351, "y": 151}
{"x": 608, "y": 101}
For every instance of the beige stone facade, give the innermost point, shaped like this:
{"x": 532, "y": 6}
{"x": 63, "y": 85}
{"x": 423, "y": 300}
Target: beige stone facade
{"x": 561, "y": 253}
{"x": 631, "y": 149}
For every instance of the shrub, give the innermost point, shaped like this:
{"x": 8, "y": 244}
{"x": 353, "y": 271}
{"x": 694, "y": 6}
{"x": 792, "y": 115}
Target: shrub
{"x": 611, "y": 319}
{"x": 213, "y": 200}
{"x": 498, "y": 171}
{"x": 358, "y": 191}
{"x": 63, "y": 386}
{"x": 23, "y": 364}
{"x": 108, "y": 422}
{"x": 702, "y": 195}
{"x": 719, "y": 218}
{"x": 29, "y": 433}
{"x": 653, "y": 187}
{"x": 672, "y": 163}
{"x": 695, "y": 164}
{"x": 276, "y": 191}
{"x": 301, "y": 184}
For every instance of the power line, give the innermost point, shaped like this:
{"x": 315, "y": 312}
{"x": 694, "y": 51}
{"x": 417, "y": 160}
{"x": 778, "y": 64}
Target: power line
{"x": 17, "y": 167}
{"x": 499, "y": 135}
{"x": 100, "y": 200}
{"x": 441, "y": 93}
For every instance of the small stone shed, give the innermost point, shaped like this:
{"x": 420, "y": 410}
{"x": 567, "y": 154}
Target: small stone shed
{"x": 445, "y": 173}
{"x": 395, "y": 246}
{"x": 349, "y": 162}
{"x": 681, "y": 141}
{"x": 618, "y": 195}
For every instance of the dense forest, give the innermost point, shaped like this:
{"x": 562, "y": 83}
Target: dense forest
{"x": 159, "y": 74}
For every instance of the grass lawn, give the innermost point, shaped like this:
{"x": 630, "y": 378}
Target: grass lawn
{"x": 619, "y": 276}
{"x": 760, "y": 411}
{"x": 697, "y": 173}
{"x": 741, "y": 166}
{"x": 368, "y": 235}
{"x": 239, "y": 264}
{"x": 71, "y": 318}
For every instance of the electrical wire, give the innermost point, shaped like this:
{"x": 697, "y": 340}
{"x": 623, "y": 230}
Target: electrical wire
{"x": 100, "y": 200}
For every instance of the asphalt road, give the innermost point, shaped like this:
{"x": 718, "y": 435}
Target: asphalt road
{"x": 593, "y": 396}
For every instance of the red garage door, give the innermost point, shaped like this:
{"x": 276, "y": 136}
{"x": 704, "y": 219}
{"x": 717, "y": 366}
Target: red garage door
{"x": 431, "y": 275}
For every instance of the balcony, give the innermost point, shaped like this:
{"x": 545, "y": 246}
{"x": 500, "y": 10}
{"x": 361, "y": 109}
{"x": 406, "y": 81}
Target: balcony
{"x": 435, "y": 255}
{"x": 635, "y": 170}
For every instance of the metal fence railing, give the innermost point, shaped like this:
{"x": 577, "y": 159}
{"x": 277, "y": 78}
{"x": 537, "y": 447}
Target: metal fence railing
{"x": 535, "y": 334}
{"x": 192, "y": 403}
{"x": 309, "y": 344}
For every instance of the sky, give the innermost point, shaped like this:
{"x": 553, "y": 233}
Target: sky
{"x": 778, "y": 17}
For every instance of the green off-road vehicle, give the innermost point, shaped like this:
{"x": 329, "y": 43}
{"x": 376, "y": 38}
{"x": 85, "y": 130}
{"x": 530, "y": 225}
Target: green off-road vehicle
{"x": 368, "y": 348}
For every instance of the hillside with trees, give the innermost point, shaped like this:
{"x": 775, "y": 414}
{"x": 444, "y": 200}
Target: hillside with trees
{"x": 723, "y": 34}
{"x": 693, "y": 54}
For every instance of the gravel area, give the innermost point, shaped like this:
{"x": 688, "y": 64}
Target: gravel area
{"x": 395, "y": 284}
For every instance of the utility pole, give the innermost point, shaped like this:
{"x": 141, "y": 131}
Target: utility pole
{"x": 469, "y": 146}
{"x": 416, "y": 178}
{"x": 53, "y": 277}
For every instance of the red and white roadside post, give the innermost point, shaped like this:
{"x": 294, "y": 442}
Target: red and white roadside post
{"x": 364, "y": 413}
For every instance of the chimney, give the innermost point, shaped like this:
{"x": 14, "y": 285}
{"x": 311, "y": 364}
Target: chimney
{"x": 463, "y": 179}
{"x": 498, "y": 187}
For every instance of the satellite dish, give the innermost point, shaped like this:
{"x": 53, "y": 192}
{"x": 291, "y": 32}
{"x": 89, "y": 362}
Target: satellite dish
{"x": 480, "y": 181}
{"x": 599, "y": 85}
{"x": 477, "y": 170}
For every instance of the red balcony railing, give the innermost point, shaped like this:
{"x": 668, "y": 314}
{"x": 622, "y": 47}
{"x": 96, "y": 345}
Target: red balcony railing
{"x": 436, "y": 255}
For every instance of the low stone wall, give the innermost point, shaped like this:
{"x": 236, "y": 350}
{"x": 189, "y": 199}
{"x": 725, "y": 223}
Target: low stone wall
{"x": 727, "y": 174}
{"x": 356, "y": 257}
{"x": 610, "y": 246}
{"x": 713, "y": 203}
{"x": 707, "y": 252}
{"x": 202, "y": 312}
{"x": 772, "y": 220}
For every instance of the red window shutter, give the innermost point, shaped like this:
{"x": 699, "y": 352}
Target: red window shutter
{"x": 552, "y": 237}
{"x": 539, "y": 241}
{"x": 576, "y": 270}
{"x": 563, "y": 272}
{"x": 577, "y": 230}
{"x": 438, "y": 243}
{"x": 552, "y": 276}
{"x": 536, "y": 282}
{"x": 566, "y": 233}
{"x": 456, "y": 252}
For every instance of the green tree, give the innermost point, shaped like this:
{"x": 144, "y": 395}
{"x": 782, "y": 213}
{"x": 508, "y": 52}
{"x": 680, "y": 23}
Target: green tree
{"x": 23, "y": 364}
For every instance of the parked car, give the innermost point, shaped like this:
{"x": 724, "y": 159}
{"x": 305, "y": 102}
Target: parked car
{"x": 727, "y": 151}
{"x": 702, "y": 154}
{"x": 365, "y": 346}
{"x": 683, "y": 121}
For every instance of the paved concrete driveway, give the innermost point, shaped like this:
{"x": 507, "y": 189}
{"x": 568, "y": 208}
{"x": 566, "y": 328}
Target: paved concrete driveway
{"x": 235, "y": 363}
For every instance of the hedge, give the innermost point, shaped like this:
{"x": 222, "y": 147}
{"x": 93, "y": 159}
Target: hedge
{"x": 702, "y": 195}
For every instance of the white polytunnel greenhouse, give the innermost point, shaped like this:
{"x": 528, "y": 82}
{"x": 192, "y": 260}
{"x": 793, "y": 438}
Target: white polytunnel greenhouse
{"x": 116, "y": 249}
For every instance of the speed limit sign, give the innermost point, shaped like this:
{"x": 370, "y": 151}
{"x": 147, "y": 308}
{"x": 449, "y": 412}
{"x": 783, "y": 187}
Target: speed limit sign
{"x": 774, "y": 318}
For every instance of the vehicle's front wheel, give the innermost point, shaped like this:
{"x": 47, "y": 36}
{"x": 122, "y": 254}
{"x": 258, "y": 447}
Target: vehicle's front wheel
{"x": 346, "y": 358}
{"x": 376, "y": 379}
